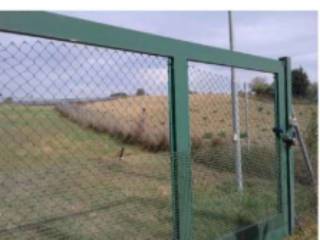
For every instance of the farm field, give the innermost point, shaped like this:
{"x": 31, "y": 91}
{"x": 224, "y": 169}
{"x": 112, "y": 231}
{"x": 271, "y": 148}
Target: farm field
{"x": 63, "y": 179}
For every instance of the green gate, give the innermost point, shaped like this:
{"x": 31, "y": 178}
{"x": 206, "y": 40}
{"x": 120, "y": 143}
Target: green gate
{"x": 179, "y": 55}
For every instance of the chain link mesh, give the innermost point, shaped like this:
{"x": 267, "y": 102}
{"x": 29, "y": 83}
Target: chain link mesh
{"x": 83, "y": 142}
{"x": 84, "y": 139}
{"x": 217, "y": 201}
{"x": 305, "y": 187}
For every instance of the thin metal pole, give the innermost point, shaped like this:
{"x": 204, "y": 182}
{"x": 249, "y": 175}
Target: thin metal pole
{"x": 247, "y": 115}
{"x": 235, "y": 115}
{"x": 303, "y": 148}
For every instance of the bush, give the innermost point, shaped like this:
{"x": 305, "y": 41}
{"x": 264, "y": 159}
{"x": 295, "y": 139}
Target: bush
{"x": 300, "y": 82}
{"x": 260, "y": 87}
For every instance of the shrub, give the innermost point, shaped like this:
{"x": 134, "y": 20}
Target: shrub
{"x": 260, "y": 87}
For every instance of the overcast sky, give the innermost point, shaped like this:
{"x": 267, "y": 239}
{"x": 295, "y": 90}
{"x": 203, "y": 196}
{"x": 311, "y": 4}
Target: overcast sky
{"x": 265, "y": 33}
{"x": 34, "y": 68}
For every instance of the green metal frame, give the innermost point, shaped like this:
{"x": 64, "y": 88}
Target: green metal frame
{"x": 289, "y": 151}
{"x": 53, "y": 26}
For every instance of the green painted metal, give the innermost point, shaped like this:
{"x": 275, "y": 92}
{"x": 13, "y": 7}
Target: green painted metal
{"x": 284, "y": 113}
{"x": 180, "y": 147}
{"x": 75, "y": 30}
{"x": 63, "y": 28}
{"x": 289, "y": 150}
{"x": 280, "y": 117}
{"x": 174, "y": 182}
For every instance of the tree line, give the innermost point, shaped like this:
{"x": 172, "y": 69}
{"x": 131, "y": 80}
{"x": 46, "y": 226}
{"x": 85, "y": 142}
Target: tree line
{"x": 302, "y": 87}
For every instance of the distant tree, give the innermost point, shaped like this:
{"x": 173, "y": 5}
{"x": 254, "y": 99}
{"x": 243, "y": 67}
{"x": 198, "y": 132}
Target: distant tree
{"x": 261, "y": 87}
{"x": 313, "y": 92}
{"x": 140, "y": 92}
{"x": 118, "y": 95}
{"x": 300, "y": 82}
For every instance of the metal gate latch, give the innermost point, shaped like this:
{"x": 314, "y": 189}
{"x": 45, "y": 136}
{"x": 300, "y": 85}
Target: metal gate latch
{"x": 289, "y": 138}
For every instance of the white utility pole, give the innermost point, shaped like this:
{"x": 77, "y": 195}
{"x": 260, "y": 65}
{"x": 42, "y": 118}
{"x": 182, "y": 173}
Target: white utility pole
{"x": 235, "y": 116}
{"x": 247, "y": 114}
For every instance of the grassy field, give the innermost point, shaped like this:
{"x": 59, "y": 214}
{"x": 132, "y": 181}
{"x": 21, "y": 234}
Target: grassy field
{"x": 64, "y": 180}
{"x": 143, "y": 121}
{"x": 53, "y": 169}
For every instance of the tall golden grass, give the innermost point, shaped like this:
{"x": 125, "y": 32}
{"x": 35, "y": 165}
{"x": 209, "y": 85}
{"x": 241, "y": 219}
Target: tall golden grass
{"x": 134, "y": 120}
{"x": 144, "y": 119}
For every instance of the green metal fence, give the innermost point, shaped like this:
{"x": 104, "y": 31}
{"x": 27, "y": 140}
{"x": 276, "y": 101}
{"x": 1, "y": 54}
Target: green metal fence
{"x": 61, "y": 179}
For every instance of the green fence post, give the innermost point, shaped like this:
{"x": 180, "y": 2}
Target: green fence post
{"x": 280, "y": 126}
{"x": 180, "y": 148}
{"x": 289, "y": 152}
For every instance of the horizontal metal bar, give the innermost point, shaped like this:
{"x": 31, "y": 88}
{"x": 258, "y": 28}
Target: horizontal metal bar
{"x": 54, "y": 26}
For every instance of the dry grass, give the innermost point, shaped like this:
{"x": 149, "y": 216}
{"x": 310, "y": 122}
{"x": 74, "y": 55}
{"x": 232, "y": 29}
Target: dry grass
{"x": 308, "y": 231}
{"x": 144, "y": 119}
{"x": 134, "y": 120}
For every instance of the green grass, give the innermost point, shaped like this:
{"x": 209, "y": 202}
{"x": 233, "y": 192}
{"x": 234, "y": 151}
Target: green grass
{"x": 222, "y": 209}
{"x": 61, "y": 181}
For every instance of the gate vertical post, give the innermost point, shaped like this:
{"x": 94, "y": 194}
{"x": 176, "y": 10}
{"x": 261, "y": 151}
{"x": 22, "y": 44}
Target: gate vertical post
{"x": 180, "y": 148}
{"x": 282, "y": 165}
{"x": 289, "y": 152}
